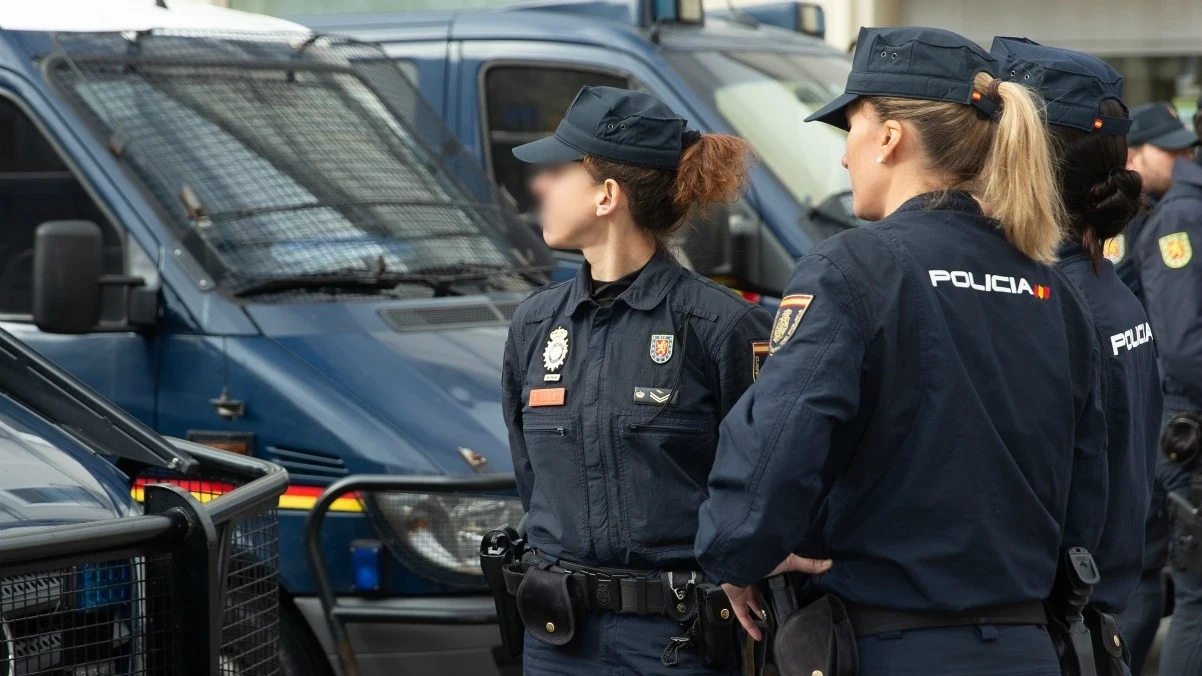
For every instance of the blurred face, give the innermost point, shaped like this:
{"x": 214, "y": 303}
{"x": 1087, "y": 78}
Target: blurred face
{"x": 569, "y": 202}
{"x": 868, "y": 139}
{"x": 1155, "y": 166}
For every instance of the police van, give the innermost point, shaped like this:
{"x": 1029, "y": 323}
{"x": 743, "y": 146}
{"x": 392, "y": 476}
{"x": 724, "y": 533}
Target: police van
{"x": 264, "y": 241}
{"x": 505, "y": 76}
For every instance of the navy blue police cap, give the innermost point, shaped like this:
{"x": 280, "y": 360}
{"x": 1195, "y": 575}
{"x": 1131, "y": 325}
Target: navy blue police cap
{"x": 1072, "y": 84}
{"x": 913, "y": 63}
{"x": 1159, "y": 124}
{"x": 614, "y": 124}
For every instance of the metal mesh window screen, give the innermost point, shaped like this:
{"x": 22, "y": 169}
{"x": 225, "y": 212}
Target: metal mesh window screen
{"x": 283, "y": 158}
{"x": 250, "y": 609}
{"x": 110, "y": 617}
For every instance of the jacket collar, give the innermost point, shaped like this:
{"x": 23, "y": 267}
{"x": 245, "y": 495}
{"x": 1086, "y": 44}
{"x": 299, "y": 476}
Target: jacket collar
{"x": 950, "y": 200}
{"x": 1070, "y": 249}
{"x": 647, "y": 291}
{"x": 1185, "y": 171}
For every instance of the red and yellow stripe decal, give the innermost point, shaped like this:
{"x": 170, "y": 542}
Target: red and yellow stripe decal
{"x": 296, "y": 497}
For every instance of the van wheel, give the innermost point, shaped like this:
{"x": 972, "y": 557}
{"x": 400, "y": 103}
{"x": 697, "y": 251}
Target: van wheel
{"x": 299, "y": 652}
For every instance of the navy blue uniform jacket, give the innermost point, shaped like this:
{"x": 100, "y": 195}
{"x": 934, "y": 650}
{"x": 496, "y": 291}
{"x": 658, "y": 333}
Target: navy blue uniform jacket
{"x": 1171, "y": 278}
{"x": 614, "y": 474}
{"x": 1133, "y": 406}
{"x": 932, "y": 418}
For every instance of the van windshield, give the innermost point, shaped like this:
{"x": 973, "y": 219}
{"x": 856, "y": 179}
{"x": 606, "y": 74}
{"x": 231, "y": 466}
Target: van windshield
{"x": 765, "y": 96}
{"x": 275, "y": 163}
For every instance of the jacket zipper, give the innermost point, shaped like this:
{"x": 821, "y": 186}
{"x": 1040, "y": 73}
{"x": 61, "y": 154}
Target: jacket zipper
{"x": 562, "y": 431}
{"x": 634, "y": 427}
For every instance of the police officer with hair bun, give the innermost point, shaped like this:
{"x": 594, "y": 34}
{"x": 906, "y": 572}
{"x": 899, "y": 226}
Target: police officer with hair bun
{"x": 1088, "y": 123}
{"x": 929, "y": 417}
{"x": 614, "y": 385}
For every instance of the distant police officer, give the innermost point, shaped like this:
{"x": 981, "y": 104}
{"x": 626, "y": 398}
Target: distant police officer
{"x": 614, "y": 385}
{"x": 1157, "y": 140}
{"x": 1088, "y": 122}
{"x": 1172, "y": 286}
{"x": 930, "y": 411}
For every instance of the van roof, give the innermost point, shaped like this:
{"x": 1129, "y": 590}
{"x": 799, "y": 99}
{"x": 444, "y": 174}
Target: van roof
{"x": 134, "y": 15}
{"x": 533, "y": 22}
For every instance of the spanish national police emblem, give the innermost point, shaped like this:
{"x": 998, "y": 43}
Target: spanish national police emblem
{"x": 1115, "y": 248}
{"x": 788, "y": 317}
{"x": 759, "y": 354}
{"x": 555, "y": 353}
{"x": 661, "y": 347}
{"x": 1175, "y": 249}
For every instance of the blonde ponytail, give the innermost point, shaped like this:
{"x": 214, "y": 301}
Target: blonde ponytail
{"x": 1008, "y": 164}
{"x": 1019, "y": 182}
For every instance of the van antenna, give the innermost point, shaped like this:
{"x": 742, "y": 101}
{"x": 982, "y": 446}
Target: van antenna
{"x": 741, "y": 17}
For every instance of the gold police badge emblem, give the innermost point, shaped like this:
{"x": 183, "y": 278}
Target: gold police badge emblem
{"x": 1115, "y": 248}
{"x": 788, "y": 317}
{"x": 1175, "y": 250}
{"x": 556, "y": 351}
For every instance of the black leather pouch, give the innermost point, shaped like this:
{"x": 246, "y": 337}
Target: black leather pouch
{"x": 1109, "y": 649}
{"x": 545, "y": 602}
{"x": 716, "y": 626}
{"x": 817, "y": 638}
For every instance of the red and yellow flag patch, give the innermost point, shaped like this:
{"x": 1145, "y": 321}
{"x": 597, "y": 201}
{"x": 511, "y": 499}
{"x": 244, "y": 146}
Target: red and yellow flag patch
{"x": 792, "y": 308}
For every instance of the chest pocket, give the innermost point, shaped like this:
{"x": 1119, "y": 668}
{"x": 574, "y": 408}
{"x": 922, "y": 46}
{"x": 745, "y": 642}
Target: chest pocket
{"x": 558, "y": 502}
{"x": 663, "y": 466}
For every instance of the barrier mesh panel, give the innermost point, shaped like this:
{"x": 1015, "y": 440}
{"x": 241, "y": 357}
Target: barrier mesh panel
{"x": 281, "y": 157}
{"x": 111, "y": 617}
{"x": 250, "y": 610}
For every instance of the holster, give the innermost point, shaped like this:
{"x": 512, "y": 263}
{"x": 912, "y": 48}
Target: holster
{"x": 549, "y": 609}
{"x": 498, "y": 549}
{"x": 817, "y": 638}
{"x": 715, "y": 626}
{"x": 1075, "y": 577}
{"x": 1111, "y": 656}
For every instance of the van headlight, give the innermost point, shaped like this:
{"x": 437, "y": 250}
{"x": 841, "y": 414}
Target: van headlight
{"x": 438, "y": 536}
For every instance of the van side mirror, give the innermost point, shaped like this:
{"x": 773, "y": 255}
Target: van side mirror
{"x": 68, "y": 261}
{"x": 68, "y": 278}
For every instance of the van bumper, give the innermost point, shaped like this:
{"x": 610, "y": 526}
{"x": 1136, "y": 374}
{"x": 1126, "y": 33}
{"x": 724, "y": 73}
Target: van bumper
{"x": 416, "y": 636}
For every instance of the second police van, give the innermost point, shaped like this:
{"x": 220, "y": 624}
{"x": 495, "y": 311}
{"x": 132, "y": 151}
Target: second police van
{"x": 502, "y": 77}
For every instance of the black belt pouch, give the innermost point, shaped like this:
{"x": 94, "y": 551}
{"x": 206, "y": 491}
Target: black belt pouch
{"x": 1109, "y": 649}
{"x": 817, "y": 638}
{"x": 546, "y": 604}
{"x": 716, "y": 633}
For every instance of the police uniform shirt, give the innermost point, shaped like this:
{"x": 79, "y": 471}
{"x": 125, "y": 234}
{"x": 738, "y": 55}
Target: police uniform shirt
{"x": 1131, "y": 382}
{"x": 924, "y": 405}
{"x": 613, "y": 411}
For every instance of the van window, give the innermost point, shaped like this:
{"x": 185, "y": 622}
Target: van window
{"x": 525, "y": 103}
{"x": 36, "y": 187}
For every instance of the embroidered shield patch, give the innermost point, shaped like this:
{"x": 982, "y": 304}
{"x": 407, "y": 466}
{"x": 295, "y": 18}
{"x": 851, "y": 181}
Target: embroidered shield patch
{"x": 661, "y": 347}
{"x": 1115, "y": 248}
{"x": 788, "y": 317}
{"x": 1175, "y": 250}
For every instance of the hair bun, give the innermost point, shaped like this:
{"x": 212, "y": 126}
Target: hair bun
{"x": 1112, "y": 202}
{"x": 688, "y": 138}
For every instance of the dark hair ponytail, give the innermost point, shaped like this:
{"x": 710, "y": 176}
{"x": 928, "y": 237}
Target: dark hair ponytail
{"x": 712, "y": 170}
{"x": 1100, "y": 193}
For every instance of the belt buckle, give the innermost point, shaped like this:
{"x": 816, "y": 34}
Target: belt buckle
{"x": 608, "y": 593}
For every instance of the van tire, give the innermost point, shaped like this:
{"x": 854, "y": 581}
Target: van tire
{"x": 299, "y": 655}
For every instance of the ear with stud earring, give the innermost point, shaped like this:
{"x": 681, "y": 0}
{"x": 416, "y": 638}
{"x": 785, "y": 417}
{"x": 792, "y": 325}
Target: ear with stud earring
{"x": 879, "y": 159}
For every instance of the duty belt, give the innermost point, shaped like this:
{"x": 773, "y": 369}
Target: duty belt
{"x": 868, "y": 621}
{"x": 619, "y": 591}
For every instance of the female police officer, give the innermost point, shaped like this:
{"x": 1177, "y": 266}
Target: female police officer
{"x": 922, "y": 414}
{"x": 1089, "y": 123}
{"x": 615, "y": 382}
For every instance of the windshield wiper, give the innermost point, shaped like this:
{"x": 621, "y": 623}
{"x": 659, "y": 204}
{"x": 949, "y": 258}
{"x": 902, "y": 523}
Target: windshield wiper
{"x": 341, "y": 281}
